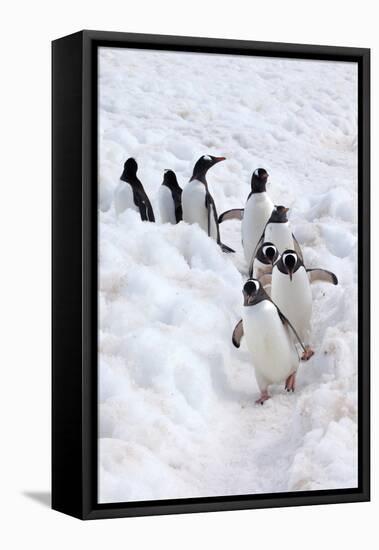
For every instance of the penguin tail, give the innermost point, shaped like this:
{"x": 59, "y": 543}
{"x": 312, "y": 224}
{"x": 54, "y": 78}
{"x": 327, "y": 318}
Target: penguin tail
{"x": 226, "y": 249}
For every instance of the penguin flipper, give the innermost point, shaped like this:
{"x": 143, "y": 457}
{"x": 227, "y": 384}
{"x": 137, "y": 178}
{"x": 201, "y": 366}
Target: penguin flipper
{"x": 297, "y": 247}
{"x": 208, "y": 205}
{"x": 141, "y": 200}
{"x": 177, "y": 198}
{"x": 211, "y": 207}
{"x": 150, "y": 212}
{"x": 322, "y": 275}
{"x": 234, "y": 214}
{"x": 287, "y": 323}
{"x": 251, "y": 265}
{"x": 237, "y": 334}
{"x": 178, "y": 213}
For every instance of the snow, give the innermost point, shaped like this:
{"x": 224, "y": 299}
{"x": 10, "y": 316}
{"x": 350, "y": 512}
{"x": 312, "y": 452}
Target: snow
{"x": 177, "y": 417}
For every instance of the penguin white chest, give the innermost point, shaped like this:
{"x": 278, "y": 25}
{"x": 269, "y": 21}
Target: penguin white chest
{"x": 280, "y": 235}
{"x": 272, "y": 350}
{"x": 257, "y": 212}
{"x": 294, "y": 299}
{"x": 194, "y": 207}
{"x": 166, "y": 205}
{"x": 123, "y": 198}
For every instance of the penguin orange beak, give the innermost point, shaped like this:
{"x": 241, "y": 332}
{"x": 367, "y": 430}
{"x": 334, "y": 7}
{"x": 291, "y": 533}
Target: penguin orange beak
{"x": 250, "y": 299}
{"x": 218, "y": 159}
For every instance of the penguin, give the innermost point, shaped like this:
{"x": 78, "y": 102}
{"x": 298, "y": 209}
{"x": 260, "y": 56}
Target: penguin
{"x": 267, "y": 254}
{"x": 130, "y": 193}
{"x": 198, "y": 204}
{"x": 291, "y": 292}
{"x": 255, "y": 215}
{"x": 170, "y": 199}
{"x": 271, "y": 340}
{"x": 278, "y": 231}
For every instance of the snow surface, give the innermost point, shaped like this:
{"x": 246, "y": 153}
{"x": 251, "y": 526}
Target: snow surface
{"x": 177, "y": 416}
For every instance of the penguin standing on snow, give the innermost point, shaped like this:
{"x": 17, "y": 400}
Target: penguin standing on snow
{"x": 291, "y": 292}
{"x": 270, "y": 338}
{"x": 130, "y": 193}
{"x": 198, "y": 204}
{"x": 255, "y": 215}
{"x": 278, "y": 232}
{"x": 170, "y": 199}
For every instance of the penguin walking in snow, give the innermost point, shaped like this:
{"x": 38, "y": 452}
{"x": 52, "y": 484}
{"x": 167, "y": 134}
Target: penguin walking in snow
{"x": 255, "y": 215}
{"x": 198, "y": 204}
{"x": 130, "y": 193}
{"x": 291, "y": 292}
{"x": 271, "y": 340}
{"x": 265, "y": 257}
{"x": 170, "y": 199}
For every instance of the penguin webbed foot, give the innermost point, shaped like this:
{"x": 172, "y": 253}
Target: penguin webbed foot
{"x": 308, "y": 353}
{"x": 290, "y": 383}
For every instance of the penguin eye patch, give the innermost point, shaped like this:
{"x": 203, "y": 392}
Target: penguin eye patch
{"x": 206, "y": 157}
{"x": 251, "y": 286}
{"x": 269, "y": 251}
{"x": 290, "y": 259}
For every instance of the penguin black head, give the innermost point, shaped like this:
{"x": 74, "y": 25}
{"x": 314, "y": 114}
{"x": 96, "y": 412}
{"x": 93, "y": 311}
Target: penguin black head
{"x": 130, "y": 169}
{"x": 253, "y": 292}
{"x": 169, "y": 179}
{"x": 279, "y": 215}
{"x": 259, "y": 180}
{"x": 267, "y": 253}
{"x": 203, "y": 164}
{"x": 289, "y": 262}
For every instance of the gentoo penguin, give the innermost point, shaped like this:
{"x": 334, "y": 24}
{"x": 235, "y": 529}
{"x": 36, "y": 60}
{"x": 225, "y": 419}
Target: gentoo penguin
{"x": 278, "y": 232}
{"x": 170, "y": 199}
{"x": 291, "y": 292}
{"x": 130, "y": 193}
{"x": 255, "y": 215}
{"x": 198, "y": 204}
{"x": 265, "y": 257}
{"x": 270, "y": 338}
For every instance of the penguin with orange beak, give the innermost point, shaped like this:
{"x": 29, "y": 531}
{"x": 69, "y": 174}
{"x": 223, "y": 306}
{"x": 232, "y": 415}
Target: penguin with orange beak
{"x": 198, "y": 204}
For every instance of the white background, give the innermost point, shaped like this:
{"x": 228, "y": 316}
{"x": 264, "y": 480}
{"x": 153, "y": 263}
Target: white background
{"x": 27, "y": 29}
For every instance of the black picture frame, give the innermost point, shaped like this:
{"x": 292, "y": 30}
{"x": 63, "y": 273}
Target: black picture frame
{"x": 74, "y": 273}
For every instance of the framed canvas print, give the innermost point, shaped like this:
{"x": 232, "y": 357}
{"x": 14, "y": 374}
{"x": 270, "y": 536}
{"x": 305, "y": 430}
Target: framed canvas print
{"x": 210, "y": 274}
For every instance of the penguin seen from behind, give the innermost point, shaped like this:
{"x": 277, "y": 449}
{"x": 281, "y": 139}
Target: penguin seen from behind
{"x": 130, "y": 193}
{"x": 170, "y": 199}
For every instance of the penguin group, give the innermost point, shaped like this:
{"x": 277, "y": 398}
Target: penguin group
{"x": 277, "y": 296}
{"x": 194, "y": 204}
